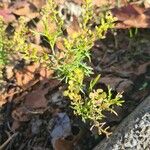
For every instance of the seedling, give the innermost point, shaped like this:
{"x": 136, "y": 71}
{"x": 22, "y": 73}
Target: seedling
{"x": 72, "y": 65}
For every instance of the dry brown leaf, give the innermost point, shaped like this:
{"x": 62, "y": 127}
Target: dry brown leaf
{"x": 142, "y": 68}
{"x": 140, "y": 95}
{"x": 52, "y": 26}
{"x": 58, "y": 2}
{"x": 2, "y": 100}
{"x": 60, "y": 44}
{"x": 21, "y": 114}
{"x": 15, "y": 125}
{"x": 79, "y": 2}
{"x": 7, "y": 15}
{"x": 132, "y": 16}
{"x": 38, "y": 3}
{"x": 125, "y": 86}
{"x": 24, "y": 8}
{"x": 100, "y": 3}
{"x": 112, "y": 81}
{"x": 7, "y": 96}
{"x": 45, "y": 73}
{"x": 36, "y": 99}
{"x": 26, "y": 75}
{"x": 73, "y": 28}
{"x": 62, "y": 144}
{"x": 65, "y": 144}
{"x": 39, "y": 49}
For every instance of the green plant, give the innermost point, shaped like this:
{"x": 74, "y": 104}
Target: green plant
{"x": 15, "y": 44}
{"x": 52, "y": 24}
{"x": 90, "y": 106}
{"x": 133, "y": 32}
{"x": 3, "y": 43}
{"x": 19, "y": 42}
{"x": 2, "y": 39}
{"x": 71, "y": 64}
{"x": 78, "y": 45}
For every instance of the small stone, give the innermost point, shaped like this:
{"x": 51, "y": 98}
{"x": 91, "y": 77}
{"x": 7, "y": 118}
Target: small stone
{"x": 35, "y": 125}
{"x": 56, "y": 98}
{"x": 127, "y": 145}
{"x": 134, "y": 142}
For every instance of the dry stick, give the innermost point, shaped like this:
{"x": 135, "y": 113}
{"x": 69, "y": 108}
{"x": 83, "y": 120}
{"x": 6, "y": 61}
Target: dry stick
{"x": 8, "y": 140}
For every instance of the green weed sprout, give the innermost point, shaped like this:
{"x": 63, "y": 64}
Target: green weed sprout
{"x": 3, "y": 54}
{"x": 52, "y": 24}
{"x": 20, "y": 44}
{"x": 72, "y": 66}
{"x": 3, "y": 43}
{"x": 90, "y": 106}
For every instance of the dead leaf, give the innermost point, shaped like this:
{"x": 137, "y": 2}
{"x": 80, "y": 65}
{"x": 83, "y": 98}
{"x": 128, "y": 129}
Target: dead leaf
{"x": 142, "y": 68}
{"x": 45, "y": 73}
{"x": 79, "y": 2}
{"x": 100, "y": 3}
{"x": 39, "y": 49}
{"x": 2, "y": 100}
{"x": 15, "y": 125}
{"x": 117, "y": 83}
{"x": 58, "y": 2}
{"x": 26, "y": 75}
{"x": 60, "y": 44}
{"x": 7, "y": 96}
{"x": 52, "y": 26}
{"x": 38, "y": 3}
{"x": 125, "y": 86}
{"x": 9, "y": 72}
{"x": 113, "y": 82}
{"x": 73, "y": 28}
{"x": 24, "y": 8}
{"x": 36, "y": 99}
{"x": 21, "y": 114}
{"x": 62, "y": 144}
{"x": 7, "y": 15}
{"x": 132, "y": 16}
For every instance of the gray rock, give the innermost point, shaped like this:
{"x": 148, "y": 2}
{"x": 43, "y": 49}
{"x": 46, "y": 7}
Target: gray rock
{"x": 133, "y": 133}
{"x": 62, "y": 127}
{"x": 35, "y": 125}
{"x": 57, "y": 98}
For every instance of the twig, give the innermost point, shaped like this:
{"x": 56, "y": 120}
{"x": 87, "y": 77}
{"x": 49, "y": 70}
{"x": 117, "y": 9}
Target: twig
{"x": 8, "y": 140}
